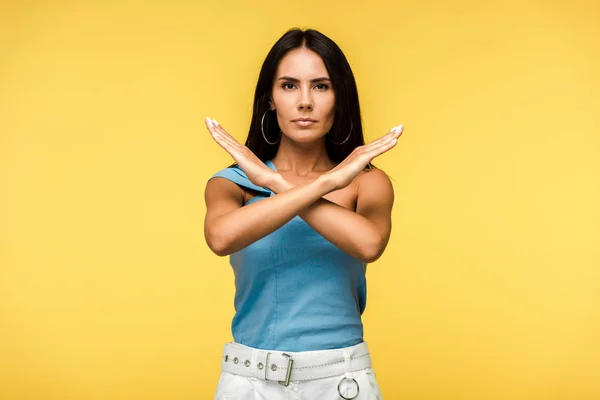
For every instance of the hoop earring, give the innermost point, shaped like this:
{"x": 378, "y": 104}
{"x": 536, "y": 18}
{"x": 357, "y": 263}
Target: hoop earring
{"x": 263, "y": 130}
{"x": 347, "y": 137}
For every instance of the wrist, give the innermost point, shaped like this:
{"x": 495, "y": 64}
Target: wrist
{"x": 326, "y": 183}
{"x": 279, "y": 184}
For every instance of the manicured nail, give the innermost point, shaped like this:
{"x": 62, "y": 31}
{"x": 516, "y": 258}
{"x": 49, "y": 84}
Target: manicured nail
{"x": 215, "y": 122}
{"x": 208, "y": 121}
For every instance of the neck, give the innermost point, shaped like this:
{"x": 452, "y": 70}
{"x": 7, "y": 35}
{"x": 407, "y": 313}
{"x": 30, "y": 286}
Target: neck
{"x": 302, "y": 159}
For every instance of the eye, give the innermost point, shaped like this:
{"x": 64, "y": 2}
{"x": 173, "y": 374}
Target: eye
{"x": 287, "y": 85}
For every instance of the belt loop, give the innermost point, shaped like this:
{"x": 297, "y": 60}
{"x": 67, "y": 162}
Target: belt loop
{"x": 348, "y": 377}
{"x": 347, "y": 360}
{"x": 348, "y": 363}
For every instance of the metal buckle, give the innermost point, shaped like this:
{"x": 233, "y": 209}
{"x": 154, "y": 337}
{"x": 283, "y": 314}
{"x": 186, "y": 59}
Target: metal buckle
{"x": 289, "y": 370}
{"x": 266, "y": 366}
{"x": 288, "y": 374}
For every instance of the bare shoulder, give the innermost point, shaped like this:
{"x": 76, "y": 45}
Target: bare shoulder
{"x": 221, "y": 196}
{"x": 223, "y": 186}
{"x": 374, "y": 180}
{"x": 375, "y": 199}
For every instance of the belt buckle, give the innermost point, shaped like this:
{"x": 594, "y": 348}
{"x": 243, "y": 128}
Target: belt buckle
{"x": 285, "y": 382}
{"x": 289, "y": 370}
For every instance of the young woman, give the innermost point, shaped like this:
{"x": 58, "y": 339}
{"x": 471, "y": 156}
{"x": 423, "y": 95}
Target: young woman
{"x": 300, "y": 213}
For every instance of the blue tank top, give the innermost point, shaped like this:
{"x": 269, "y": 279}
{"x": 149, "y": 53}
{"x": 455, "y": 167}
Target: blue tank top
{"x": 295, "y": 290}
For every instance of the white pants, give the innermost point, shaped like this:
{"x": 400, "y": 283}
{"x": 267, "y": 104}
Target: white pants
{"x": 322, "y": 375}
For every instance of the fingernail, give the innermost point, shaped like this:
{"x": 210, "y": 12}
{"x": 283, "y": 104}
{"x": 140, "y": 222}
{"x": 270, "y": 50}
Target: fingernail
{"x": 215, "y": 121}
{"x": 208, "y": 121}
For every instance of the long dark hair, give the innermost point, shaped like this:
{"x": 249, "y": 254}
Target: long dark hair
{"x": 347, "y": 120}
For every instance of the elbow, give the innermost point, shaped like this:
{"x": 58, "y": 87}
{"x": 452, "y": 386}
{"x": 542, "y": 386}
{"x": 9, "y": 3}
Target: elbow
{"x": 220, "y": 251}
{"x": 373, "y": 251}
{"x": 218, "y": 244}
{"x": 371, "y": 256}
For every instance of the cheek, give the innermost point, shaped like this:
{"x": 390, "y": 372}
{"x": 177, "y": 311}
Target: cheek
{"x": 287, "y": 105}
{"x": 331, "y": 110}
{"x": 330, "y": 104}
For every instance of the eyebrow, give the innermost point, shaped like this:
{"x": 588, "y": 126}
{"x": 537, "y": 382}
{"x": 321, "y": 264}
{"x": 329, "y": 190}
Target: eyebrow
{"x": 289, "y": 78}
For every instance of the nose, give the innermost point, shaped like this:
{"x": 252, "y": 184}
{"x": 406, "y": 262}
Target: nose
{"x": 305, "y": 105}
{"x": 305, "y": 102}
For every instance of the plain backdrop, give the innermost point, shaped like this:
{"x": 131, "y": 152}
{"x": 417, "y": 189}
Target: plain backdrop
{"x": 490, "y": 286}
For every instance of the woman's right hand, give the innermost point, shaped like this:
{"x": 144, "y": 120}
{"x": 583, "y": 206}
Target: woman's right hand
{"x": 256, "y": 171}
{"x": 345, "y": 172}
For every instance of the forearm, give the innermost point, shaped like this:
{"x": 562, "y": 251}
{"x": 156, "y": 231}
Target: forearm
{"x": 244, "y": 226}
{"x": 346, "y": 229}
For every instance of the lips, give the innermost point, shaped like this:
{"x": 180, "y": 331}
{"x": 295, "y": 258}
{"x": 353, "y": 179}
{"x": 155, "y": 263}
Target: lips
{"x": 304, "y": 120}
{"x": 304, "y": 123}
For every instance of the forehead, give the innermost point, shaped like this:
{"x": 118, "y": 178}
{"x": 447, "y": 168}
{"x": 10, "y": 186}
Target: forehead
{"x": 302, "y": 64}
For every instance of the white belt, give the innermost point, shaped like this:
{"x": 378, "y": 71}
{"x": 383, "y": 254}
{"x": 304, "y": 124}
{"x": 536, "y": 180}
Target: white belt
{"x": 288, "y": 366}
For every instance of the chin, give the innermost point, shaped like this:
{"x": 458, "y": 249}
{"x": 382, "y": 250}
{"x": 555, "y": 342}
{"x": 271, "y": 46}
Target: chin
{"x": 304, "y": 135}
{"x": 309, "y": 137}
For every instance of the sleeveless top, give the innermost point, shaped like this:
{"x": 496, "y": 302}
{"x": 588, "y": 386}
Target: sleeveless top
{"x": 295, "y": 290}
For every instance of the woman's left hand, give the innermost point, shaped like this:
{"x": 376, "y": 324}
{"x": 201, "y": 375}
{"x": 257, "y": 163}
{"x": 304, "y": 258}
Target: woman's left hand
{"x": 256, "y": 171}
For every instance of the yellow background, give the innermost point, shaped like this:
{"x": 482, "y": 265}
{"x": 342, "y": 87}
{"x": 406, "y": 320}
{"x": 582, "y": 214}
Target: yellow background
{"x": 490, "y": 287}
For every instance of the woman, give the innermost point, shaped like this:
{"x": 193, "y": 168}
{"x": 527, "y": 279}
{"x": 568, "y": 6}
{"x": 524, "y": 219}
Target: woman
{"x": 300, "y": 214}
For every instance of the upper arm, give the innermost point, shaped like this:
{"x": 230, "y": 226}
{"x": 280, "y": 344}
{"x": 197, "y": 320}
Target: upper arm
{"x": 221, "y": 196}
{"x": 375, "y": 199}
